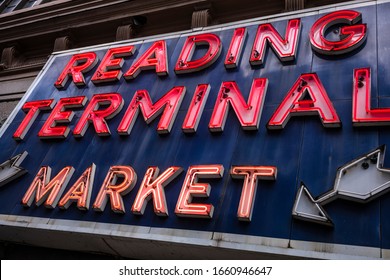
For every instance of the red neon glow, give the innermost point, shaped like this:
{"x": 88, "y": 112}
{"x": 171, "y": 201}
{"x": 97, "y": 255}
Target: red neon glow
{"x": 191, "y": 188}
{"x": 168, "y": 104}
{"x": 285, "y": 49}
{"x": 114, "y": 190}
{"x": 80, "y": 192}
{"x": 77, "y": 65}
{"x": 362, "y": 114}
{"x": 251, "y": 175}
{"x": 50, "y": 128}
{"x": 109, "y": 68}
{"x": 153, "y": 187}
{"x": 184, "y": 63}
{"x": 113, "y": 100}
{"x": 351, "y": 36}
{"x": 42, "y": 188}
{"x": 32, "y": 108}
{"x": 234, "y": 52}
{"x": 248, "y": 113}
{"x": 307, "y": 97}
{"x": 154, "y": 58}
{"x": 195, "y": 110}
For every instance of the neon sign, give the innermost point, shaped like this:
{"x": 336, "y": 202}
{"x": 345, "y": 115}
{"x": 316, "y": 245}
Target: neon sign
{"x": 115, "y": 112}
{"x": 307, "y": 95}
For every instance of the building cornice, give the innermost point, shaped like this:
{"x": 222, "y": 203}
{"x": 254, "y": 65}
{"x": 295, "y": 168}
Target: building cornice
{"x": 61, "y": 15}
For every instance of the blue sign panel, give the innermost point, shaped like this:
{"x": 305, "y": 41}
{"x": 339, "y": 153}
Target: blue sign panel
{"x": 311, "y": 168}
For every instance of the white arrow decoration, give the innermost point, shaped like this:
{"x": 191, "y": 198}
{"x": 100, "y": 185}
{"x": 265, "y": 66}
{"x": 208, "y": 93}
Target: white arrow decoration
{"x": 360, "y": 180}
{"x": 305, "y": 208}
{"x": 10, "y": 170}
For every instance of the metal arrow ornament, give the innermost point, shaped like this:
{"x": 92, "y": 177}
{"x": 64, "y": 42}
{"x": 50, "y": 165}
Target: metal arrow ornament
{"x": 360, "y": 180}
{"x": 10, "y": 170}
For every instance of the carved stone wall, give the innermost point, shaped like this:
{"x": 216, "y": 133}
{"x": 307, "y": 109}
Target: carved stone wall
{"x": 294, "y": 5}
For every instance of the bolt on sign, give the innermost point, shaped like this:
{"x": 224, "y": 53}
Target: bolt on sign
{"x": 273, "y": 129}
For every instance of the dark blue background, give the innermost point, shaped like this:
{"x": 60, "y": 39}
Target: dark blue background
{"x": 303, "y": 151}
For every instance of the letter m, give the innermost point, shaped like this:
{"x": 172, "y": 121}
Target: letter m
{"x": 168, "y": 105}
{"x": 42, "y": 188}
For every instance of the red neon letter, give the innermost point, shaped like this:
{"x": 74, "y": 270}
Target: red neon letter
{"x": 248, "y": 114}
{"x": 351, "y": 36}
{"x": 285, "y": 49}
{"x": 109, "y": 68}
{"x": 115, "y": 191}
{"x": 250, "y": 174}
{"x": 45, "y": 190}
{"x": 195, "y": 110}
{"x": 77, "y": 65}
{"x": 362, "y": 114}
{"x": 306, "y": 97}
{"x": 191, "y": 188}
{"x": 59, "y": 115}
{"x": 142, "y": 102}
{"x": 99, "y": 117}
{"x": 80, "y": 191}
{"x": 33, "y": 108}
{"x": 153, "y": 187}
{"x": 234, "y": 52}
{"x": 184, "y": 63}
{"x": 154, "y": 57}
